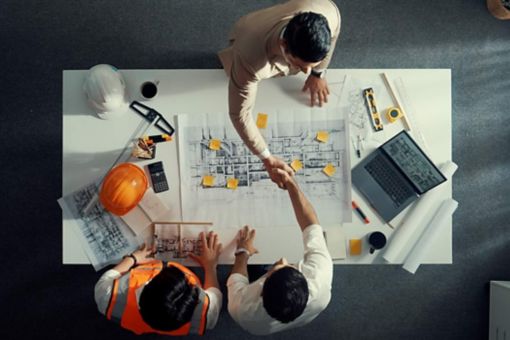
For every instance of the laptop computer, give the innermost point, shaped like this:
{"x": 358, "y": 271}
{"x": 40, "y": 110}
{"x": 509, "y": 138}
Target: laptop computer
{"x": 395, "y": 175}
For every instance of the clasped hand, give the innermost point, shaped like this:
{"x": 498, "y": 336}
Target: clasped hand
{"x": 271, "y": 164}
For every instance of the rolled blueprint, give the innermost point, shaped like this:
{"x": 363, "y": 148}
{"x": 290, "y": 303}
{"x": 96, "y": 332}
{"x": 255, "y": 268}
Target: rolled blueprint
{"x": 415, "y": 222}
{"x": 438, "y": 222}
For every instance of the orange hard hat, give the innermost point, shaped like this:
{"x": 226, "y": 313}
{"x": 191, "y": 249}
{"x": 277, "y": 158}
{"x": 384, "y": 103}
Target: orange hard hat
{"x": 123, "y": 188}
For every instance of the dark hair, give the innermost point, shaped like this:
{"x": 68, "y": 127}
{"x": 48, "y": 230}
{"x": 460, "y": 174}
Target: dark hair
{"x": 285, "y": 294}
{"x": 308, "y": 37}
{"x": 167, "y": 302}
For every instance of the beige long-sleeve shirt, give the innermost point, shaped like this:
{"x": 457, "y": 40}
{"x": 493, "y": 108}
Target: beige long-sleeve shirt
{"x": 255, "y": 54}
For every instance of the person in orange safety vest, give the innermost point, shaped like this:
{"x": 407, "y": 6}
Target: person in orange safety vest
{"x": 148, "y": 296}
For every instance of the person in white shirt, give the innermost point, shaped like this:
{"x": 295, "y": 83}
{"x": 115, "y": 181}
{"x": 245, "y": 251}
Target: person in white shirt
{"x": 149, "y": 296}
{"x": 287, "y": 296}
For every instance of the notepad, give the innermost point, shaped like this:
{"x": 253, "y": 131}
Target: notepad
{"x": 208, "y": 181}
{"x": 329, "y": 170}
{"x": 232, "y": 183}
{"x": 214, "y": 144}
{"x": 296, "y": 165}
{"x": 322, "y": 136}
{"x": 335, "y": 239}
{"x": 355, "y": 247}
{"x": 262, "y": 120}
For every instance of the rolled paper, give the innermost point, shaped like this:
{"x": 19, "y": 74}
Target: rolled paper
{"x": 415, "y": 222}
{"x": 431, "y": 233}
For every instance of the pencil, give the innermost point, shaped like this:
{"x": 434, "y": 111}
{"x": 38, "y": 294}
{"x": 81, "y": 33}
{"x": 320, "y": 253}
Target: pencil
{"x": 360, "y": 212}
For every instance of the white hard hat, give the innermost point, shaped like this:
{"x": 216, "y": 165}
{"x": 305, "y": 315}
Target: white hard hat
{"x": 105, "y": 89}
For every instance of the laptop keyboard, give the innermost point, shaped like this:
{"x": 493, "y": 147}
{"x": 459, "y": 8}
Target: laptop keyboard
{"x": 390, "y": 182}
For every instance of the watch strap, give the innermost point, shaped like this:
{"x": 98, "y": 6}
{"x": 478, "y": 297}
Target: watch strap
{"x": 242, "y": 250}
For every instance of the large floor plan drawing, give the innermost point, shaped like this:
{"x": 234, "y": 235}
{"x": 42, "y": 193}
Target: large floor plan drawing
{"x": 223, "y": 182}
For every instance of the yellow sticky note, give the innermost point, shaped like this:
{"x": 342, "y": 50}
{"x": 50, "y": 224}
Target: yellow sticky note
{"x": 329, "y": 169}
{"x": 296, "y": 165}
{"x": 214, "y": 144}
{"x": 355, "y": 247}
{"x": 232, "y": 183}
{"x": 262, "y": 120}
{"x": 322, "y": 136}
{"x": 208, "y": 181}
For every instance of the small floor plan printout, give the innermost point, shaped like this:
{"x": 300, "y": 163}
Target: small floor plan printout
{"x": 104, "y": 237}
{"x": 223, "y": 182}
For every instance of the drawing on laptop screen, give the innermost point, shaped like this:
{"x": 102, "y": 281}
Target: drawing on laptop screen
{"x": 413, "y": 162}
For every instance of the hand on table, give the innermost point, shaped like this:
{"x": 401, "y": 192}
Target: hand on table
{"x": 145, "y": 254}
{"x": 245, "y": 239}
{"x": 272, "y": 163}
{"x": 318, "y": 88}
{"x": 209, "y": 249}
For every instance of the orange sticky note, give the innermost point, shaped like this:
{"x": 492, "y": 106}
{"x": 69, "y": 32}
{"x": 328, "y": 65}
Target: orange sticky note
{"x": 329, "y": 169}
{"x": 208, "y": 181}
{"x": 214, "y": 144}
{"x": 296, "y": 165}
{"x": 232, "y": 183}
{"x": 322, "y": 136}
{"x": 262, "y": 120}
{"x": 355, "y": 247}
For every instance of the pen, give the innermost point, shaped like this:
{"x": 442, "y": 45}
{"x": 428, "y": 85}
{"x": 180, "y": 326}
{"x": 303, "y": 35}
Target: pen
{"x": 358, "y": 147}
{"x": 360, "y": 212}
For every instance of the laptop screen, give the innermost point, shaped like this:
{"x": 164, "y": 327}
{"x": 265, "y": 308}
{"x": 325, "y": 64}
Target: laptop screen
{"x": 413, "y": 162}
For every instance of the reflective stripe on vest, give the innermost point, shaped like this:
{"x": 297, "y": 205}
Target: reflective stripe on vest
{"x": 121, "y": 295}
{"x": 196, "y": 318}
{"x": 121, "y": 301}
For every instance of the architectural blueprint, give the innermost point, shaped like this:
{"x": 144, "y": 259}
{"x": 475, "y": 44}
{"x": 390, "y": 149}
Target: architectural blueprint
{"x": 291, "y": 135}
{"x": 176, "y": 241}
{"x": 104, "y": 237}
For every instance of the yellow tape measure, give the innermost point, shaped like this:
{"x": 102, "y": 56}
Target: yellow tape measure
{"x": 375, "y": 118}
{"x": 393, "y": 114}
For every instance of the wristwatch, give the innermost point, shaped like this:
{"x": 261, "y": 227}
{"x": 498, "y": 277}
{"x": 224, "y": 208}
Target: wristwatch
{"x": 318, "y": 74}
{"x": 134, "y": 259}
{"x": 242, "y": 250}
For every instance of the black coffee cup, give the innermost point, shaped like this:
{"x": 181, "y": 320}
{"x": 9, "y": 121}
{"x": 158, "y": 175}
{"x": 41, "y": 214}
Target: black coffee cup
{"x": 377, "y": 240}
{"x": 149, "y": 90}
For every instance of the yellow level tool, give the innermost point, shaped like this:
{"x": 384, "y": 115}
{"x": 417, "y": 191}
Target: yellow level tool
{"x": 375, "y": 118}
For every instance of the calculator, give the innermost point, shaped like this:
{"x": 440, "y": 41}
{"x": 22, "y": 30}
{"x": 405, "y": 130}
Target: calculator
{"x": 158, "y": 177}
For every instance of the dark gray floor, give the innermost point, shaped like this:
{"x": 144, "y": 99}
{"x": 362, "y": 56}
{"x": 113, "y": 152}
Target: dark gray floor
{"x": 39, "y": 39}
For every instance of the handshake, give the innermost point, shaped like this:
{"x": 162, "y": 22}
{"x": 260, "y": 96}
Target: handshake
{"x": 279, "y": 171}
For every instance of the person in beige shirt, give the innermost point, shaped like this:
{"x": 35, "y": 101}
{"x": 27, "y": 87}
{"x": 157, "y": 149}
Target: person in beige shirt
{"x": 295, "y": 36}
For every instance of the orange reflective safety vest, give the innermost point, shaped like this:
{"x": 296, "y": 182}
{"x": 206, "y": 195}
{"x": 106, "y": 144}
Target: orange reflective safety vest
{"x": 123, "y": 307}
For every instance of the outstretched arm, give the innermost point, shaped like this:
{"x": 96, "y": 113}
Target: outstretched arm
{"x": 303, "y": 209}
{"x": 242, "y": 91}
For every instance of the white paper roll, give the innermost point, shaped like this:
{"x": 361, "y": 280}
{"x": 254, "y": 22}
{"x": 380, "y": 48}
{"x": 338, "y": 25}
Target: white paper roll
{"x": 415, "y": 222}
{"x": 439, "y": 221}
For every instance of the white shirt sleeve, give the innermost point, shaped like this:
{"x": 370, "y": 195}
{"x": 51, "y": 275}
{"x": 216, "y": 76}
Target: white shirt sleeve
{"x": 317, "y": 266}
{"x": 215, "y": 303}
{"x": 103, "y": 289}
{"x": 236, "y": 285}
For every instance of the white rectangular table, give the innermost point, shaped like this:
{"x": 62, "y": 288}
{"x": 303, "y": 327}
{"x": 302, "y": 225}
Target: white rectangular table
{"x": 90, "y": 145}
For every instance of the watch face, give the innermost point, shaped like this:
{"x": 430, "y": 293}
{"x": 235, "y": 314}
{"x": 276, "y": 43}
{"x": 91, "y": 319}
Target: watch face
{"x": 318, "y": 74}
